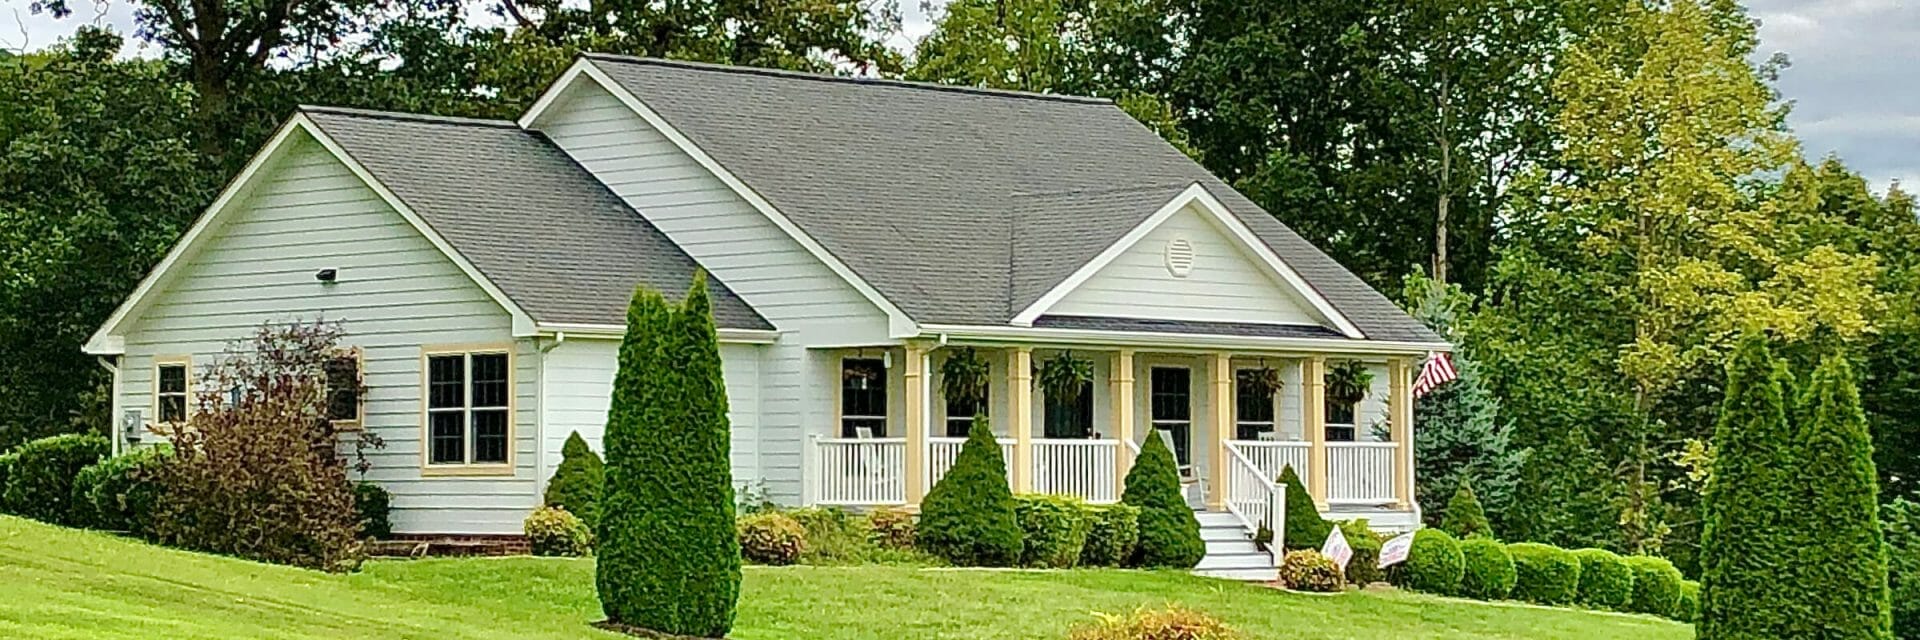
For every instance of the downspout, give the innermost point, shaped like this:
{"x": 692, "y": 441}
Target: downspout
{"x": 112, "y": 366}
{"x": 540, "y": 418}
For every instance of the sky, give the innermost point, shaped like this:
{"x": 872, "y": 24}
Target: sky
{"x": 1854, "y": 80}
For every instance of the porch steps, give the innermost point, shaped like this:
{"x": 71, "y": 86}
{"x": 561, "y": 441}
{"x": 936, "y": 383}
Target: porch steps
{"x": 1230, "y": 553}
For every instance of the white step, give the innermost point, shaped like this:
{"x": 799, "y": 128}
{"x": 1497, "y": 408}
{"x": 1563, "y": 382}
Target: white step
{"x": 1231, "y": 547}
{"x": 1217, "y": 519}
{"x": 1268, "y": 574}
{"x": 1222, "y": 533}
{"x": 1253, "y": 560}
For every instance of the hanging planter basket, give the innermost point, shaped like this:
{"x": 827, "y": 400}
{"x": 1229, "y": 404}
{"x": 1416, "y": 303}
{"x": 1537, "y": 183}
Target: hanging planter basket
{"x": 1348, "y": 381}
{"x": 964, "y": 376}
{"x": 1064, "y": 376}
{"x": 1265, "y": 377}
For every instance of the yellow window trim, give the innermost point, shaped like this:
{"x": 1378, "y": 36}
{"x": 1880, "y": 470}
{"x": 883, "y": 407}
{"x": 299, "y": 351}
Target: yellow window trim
{"x": 186, "y": 363}
{"x": 360, "y": 374}
{"x": 492, "y": 469}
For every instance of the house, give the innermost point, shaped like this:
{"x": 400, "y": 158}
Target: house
{"x": 859, "y": 234}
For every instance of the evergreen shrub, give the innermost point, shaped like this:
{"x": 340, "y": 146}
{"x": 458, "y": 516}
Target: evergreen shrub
{"x": 1489, "y": 573}
{"x": 40, "y": 482}
{"x": 374, "y": 504}
{"x": 1434, "y": 563}
{"x": 1112, "y": 532}
{"x": 1606, "y": 580}
{"x": 1364, "y": 567}
{"x": 1169, "y": 533}
{"x": 968, "y": 518}
{"x": 1054, "y": 529}
{"x": 552, "y": 531}
{"x": 119, "y": 492}
{"x": 577, "y": 482}
{"x": 1304, "y": 570}
{"x": 1464, "y": 518}
{"x": 1305, "y": 529}
{"x": 1656, "y": 586}
{"x": 1688, "y": 609}
{"x": 1544, "y": 574}
{"x": 891, "y": 528}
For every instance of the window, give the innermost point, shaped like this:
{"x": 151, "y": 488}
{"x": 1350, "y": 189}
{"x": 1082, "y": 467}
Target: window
{"x": 469, "y": 408}
{"x": 1070, "y": 417}
{"x": 1172, "y": 409}
{"x": 1253, "y": 404}
{"x": 863, "y": 398}
{"x": 171, "y": 384}
{"x": 960, "y": 412}
{"x": 1340, "y": 420}
{"x": 344, "y": 389}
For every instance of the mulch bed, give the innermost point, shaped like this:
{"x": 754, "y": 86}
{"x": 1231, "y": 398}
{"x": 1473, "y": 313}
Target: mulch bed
{"x": 638, "y": 632}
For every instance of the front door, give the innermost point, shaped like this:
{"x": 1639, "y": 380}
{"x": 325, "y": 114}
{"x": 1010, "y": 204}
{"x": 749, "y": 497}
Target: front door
{"x": 1172, "y": 410}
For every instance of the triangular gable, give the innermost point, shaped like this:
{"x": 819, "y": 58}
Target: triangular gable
{"x": 1192, "y": 260}
{"x": 110, "y": 337}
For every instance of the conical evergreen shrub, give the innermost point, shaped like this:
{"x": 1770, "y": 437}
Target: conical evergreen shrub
{"x": 1464, "y": 518}
{"x": 1752, "y": 498}
{"x": 1305, "y": 528}
{"x": 1169, "y": 534}
{"x": 968, "y": 517}
{"x": 669, "y": 558}
{"x": 577, "y": 482}
{"x": 1844, "y": 589}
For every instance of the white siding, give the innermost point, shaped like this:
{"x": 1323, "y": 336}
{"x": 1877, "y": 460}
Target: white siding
{"x": 1227, "y": 284}
{"x": 395, "y": 293}
{"x": 580, "y": 387}
{"x": 812, "y": 306}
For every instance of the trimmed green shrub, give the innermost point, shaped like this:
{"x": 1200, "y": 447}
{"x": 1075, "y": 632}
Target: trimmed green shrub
{"x": 1688, "y": 608}
{"x": 1464, "y": 518}
{"x": 375, "y": 506}
{"x": 1169, "y": 533}
{"x": 1900, "y": 519}
{"x": 82, "y": 514}
{"x": 1112, "y": 532}
{"x": 1364, "y": 567}
{"x": 772, "y": 538}
{"x": 1054, "y": 529}
{"x": 1840, "y": 575}
{"x": 1544, "y": 574}
{"x": 40, "y": 484}
{"x": 891, "y": 527}
{"x": 669, "y": 555}
{"x": 968, "y": 518}
{"x": 1305, "y": 529}
{"x": 6, "y": 467}
{"x": 119, "y": 493}
{"x": 1656, "y": 586}
{"x": 1172, "y": 623}
{"x": 1305, "y": 570}
{"x": 1434, "y": 563}
{"x": 552, "y": 531}
{"x": 577, "y": 482}
{"x": 1489, "y": 573}
{"x": 1606, "y": 581}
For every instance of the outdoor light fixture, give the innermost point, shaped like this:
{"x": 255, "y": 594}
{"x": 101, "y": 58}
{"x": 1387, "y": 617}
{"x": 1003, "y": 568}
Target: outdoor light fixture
{"x": 327, "y": 275}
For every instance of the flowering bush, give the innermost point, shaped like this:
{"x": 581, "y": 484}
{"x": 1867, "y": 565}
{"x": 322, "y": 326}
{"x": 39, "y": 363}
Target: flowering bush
{"x": 553, "y": 531}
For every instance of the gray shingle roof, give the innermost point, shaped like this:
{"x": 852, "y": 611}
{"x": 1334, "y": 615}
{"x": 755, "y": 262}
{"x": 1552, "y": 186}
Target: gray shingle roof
{"x": 959, "y": 205}
{"x": 536, "y": 224}
{"x": 1248, "y": 329}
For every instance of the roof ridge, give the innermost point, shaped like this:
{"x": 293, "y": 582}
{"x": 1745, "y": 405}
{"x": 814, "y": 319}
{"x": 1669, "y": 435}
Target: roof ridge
{"x": 404, "y": 116}
{"x": 821, "y": 77}
{"x": 1106, "y": 190}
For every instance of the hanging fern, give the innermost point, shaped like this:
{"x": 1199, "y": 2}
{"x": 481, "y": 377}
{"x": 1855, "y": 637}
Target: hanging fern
{"x": 964, "y": 376}
{"x": 1064, "y": 376}
{"x": 1262, "y": 378}
{"x": 1348, "y": 381}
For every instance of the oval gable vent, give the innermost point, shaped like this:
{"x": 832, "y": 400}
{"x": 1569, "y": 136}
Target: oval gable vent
{"x": 1179, "y": 257}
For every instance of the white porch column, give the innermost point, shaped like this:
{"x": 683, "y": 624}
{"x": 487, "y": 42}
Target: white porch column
{"x": 1220, "y": 374}
{"x": 1313, "y": 409}
{"x": 1020, "y": 404}
{"x": 1121, "y": 377}
{"x": 917, "y": 389}
{"x": 1400, "y": 422}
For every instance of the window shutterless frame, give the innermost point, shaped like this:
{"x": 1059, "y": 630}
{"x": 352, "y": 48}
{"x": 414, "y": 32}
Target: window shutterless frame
{"x": 482, "y": 399}
{"x": 1171, "y": 409}
{"x": 1253, "y": 406}
{"x": 172, "y": 389}
{"x": 863, "y": 396}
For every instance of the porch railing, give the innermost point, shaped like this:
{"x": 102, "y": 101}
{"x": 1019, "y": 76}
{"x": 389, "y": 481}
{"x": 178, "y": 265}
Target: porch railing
{"x": 1084, "y": 468}
{"x": 1270, "y": 456}
{"x": 941, "y": 453}
{"x": 1256, "y": 500}
{"x": 860, "y": 471}
{"x": 1361, "y": 472}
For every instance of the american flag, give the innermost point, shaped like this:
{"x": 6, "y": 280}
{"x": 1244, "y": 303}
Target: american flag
{"x": 1437, "y": 371}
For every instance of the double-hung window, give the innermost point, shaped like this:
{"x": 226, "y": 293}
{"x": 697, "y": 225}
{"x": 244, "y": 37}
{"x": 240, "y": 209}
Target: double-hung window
{"x": 1172, "y": 406}
{"x": 1253, "y": 405}
{"x": 1070, "y": 416}
{"x": 344, "y": 389}
{"x": 1340, "y": 420}
{"x": 172, "y": 384}
{"x": 469, "y": 408}
{"x": 960, "y": 413}
{"x": 863, "y": 398}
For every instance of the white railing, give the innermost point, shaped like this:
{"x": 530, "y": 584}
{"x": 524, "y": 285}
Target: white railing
{"x": 860, "y": 471}
{"x": 1084, "y": 468}
{"x": 1271, "y": 456}
{"x": 941, "y": 453}
{"x": 1255, "y": 499}
{"x": 1361, "y": 472}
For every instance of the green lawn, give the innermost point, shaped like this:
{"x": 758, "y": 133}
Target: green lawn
{"x": 60, "y": 583}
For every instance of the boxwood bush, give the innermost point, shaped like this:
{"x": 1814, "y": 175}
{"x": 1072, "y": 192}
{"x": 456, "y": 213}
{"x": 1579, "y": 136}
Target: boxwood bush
{"x": 1489, "y": 573}
{"x": 1606, "y": 581}
{"x": 1053, "y": 527}
{"x": 119, "y": 493}
{"x": 1434, "y": 564}
{"x": 1304, "y": 570}
{"x": 374, "y": 504}
{"x": 552, "y": 531}
{"x": 1364, "y": 567}
{"x": 1688, "y": 607}
{"x": 40, "y": 484}
{"x": 1544, "y": 574}
{"x": 6, "y": 467}
{"x": 1656, "y": 586}
{"x": 1112, "y": 532}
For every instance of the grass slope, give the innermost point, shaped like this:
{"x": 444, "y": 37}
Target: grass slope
{"x": 60, "y": 583}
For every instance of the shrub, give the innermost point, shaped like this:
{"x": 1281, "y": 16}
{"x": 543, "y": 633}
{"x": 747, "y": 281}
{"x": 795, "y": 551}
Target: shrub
{"x": 1606, "y": 580}
{"x": 1464, "y": 518}
{"x": 891, "y": 528}
{"x": 1172, "y": 623}
{"x": 1304, "y": 570}
{"x": 6, "y": 468}
{"x": 1489, "y": 573}
{"x": 771, "y": 537}
{"x": 374, "y": 505}
{"x": 1687, "y": 609}
{"x": 552, "y": 531}
{"x": 835, "y": 537}
{"x": 1544, "y": 574}
{"x": 256, "y": 473}
{"x": 119, "y": 493}
{"x": 40, "y": 483}
{"x": 1054, "y": 529}
{"x": 1656, "y": 586}
{"x": 576, "y": 483}
{"x": 1434, "y": 563}
{"x": 1840, "y": 576}
{"x": 1901, "y": 521}
{"x": 1169, "y": 534}
{"x": 1112, "y": 532}
{"x": 669, "y": 553}
{"x": 1364, "y": 567}
{"x": 968, "y": 518}
{"x": 1305, "y": 529}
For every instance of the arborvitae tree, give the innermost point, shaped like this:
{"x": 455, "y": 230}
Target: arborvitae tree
{"x": 1305, "y": 528}
{"x": 669, "y": 560}
{"x": 968, "y": 518}
{"x": 577, "y": 481}
{"x": 1169, "y": 534}
{"x": 1756, "y": 482}
{"x": 1844, "y": 590}
{"x": 1464, "y": 518}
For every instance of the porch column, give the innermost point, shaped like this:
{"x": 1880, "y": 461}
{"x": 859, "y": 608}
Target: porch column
{"x": 1313, "y": 411}
{"x": 1400, "y": 422}
{"x": 1220, "y": 368}
{"x": 1122, "y": 399}
{"x": 1020, "y": 404}
{"x": 917, "y": 387}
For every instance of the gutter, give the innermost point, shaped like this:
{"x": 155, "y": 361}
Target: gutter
{"x": 540, "y": 418}
{"x": 615, "y": 331}
{"x": 1179, "y": 341}
{"x": 112, "y": 365}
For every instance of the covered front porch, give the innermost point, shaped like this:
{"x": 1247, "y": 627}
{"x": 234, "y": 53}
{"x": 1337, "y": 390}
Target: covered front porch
{"x": 1234, "y": 418}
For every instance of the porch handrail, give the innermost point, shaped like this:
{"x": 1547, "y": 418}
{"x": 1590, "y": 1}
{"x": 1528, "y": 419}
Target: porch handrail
{"x": 859, "y": 471}
{"x": 1255, "y": 500}
{"x": 1362, "y": 473}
